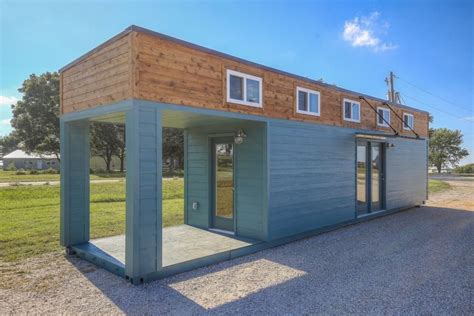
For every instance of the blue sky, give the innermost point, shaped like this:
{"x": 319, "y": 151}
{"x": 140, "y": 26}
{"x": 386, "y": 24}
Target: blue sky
{"x": 428, "y": 44}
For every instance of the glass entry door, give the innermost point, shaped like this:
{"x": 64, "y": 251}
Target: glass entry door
{"x": 223, "y": 183}
{"x": 370, "y": 177}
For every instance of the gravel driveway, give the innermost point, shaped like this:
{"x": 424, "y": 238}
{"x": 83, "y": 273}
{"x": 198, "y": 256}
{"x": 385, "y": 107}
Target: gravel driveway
{"x": 420, "y": 261}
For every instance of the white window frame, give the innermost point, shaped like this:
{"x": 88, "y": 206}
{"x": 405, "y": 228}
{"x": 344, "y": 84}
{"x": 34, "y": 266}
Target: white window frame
{"x": 308, "y": 91}
{"x": 412, "y": 121}
{"x": 384, "y": 124}
{"x": 244, "y": 88}
{"x": 344, "y": 110}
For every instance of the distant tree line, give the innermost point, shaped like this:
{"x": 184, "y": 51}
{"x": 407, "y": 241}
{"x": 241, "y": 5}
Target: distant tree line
{"x": 35, "y": 125}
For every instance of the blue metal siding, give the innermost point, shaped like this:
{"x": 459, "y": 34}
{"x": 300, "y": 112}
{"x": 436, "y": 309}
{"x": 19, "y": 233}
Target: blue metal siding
{"x": 144, "y": 191}
{"x": 250, "y": 178}
{"x": 75, "y": 205}
{"x": 312, "y": 177}
{"x": 406, "y": 177}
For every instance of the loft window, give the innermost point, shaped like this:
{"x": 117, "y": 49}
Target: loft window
{"x": 307, "y": 101}
{"x": 408, "y": 121}
{"x": 244, "y": 89}
{"x": 351, "y": 111}
{"x": 385, "y": 113}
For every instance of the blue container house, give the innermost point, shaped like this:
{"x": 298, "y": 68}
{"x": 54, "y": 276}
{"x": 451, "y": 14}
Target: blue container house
{"x": 270, "y": 157}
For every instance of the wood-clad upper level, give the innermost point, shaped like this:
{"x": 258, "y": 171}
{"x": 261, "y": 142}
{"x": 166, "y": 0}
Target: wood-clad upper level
{"x": 141, "y": 64}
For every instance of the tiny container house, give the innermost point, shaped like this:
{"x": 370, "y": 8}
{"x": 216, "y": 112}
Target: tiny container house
{"x": 270, "y": 157}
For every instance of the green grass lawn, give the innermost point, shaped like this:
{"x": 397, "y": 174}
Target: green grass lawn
{"x": 29, "y": 224}
{"x": 435, "y": 186}
{"x": 11, "y": 176}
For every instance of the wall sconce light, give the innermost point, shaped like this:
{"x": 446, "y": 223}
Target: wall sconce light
{"x": 239, "y": 138}
{"x": 390, "y": 145}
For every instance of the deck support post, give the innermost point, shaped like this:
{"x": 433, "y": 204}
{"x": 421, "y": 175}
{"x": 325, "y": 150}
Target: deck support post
{"x": 75, "y": 155}
{"x": 143, "y": 249}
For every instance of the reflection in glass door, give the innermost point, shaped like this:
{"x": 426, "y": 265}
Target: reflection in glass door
{"x": 362, "y": 178}
{"x": 223, "y": 215}
{"x": 370, "y": 177}
{"x": 375, "y": 170}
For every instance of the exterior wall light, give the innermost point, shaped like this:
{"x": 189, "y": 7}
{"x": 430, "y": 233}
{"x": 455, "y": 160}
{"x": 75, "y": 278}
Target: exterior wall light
{"x": 239, "y": 138}
{"x": 390, "y": 145}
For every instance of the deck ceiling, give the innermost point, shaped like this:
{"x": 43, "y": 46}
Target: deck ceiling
{"x": 176, "y": 119}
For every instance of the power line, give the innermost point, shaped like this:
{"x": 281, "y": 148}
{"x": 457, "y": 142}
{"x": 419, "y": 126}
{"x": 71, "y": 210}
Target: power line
{"x": 432, "y": 94}
{"x": 435, "y": 108}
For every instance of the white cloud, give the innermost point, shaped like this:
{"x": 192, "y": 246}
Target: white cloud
{"x": 469, "y": 118}
{"x": 365, "y": 31}
{"x": 5, "y": 122}
{"x": 5, "y": 100}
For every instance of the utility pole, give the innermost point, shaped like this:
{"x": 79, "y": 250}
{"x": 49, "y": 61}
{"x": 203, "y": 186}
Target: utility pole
{"x": 392, "y": 95}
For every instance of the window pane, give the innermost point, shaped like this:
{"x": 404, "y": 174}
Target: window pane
{"x": 302, "y": 101}
{"x": 224, "y": 180}
{"x": 355, "y": 111}
{"x": 386, "y": 116}
{"x": 347, "y": 110}
{"x": 313, "y": 103}
{"x": 253, "y": 91}
{"x": 361, "y": 179}
{"x": 236, "y": 85}
{"x": 408, "y": 121}
{"x": 379, "y": 117}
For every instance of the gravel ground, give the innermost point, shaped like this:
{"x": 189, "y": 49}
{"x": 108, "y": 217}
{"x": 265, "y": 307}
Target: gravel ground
{"x": 420, "y": 261}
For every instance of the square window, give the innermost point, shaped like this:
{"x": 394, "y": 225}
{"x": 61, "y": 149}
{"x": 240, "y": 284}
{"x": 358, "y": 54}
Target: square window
{"x": 244, "y": 89}
{"x": 351, "y": 111}
{"x": 307, "y": 101}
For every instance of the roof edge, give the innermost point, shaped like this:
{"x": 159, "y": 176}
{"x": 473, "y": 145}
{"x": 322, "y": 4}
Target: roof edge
{"x": 97, "y": 48}
{"x": 237, "y": 59}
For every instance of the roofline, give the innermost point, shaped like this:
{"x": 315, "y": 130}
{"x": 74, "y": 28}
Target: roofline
{"x": 135, "y": 28}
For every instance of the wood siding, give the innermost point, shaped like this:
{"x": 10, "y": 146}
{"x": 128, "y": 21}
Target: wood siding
{"x": 103, "y": 77}
{"x": 150, "y": 67}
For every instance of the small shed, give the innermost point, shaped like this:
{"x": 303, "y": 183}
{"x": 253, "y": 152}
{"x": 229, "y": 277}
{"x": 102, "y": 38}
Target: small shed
{"x": 23, "y": 160}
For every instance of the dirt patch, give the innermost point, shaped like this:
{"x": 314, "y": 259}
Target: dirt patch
{"x": 460, "y": 196}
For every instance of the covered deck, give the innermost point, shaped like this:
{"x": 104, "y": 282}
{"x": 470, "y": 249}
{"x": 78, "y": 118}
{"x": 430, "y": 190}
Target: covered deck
{"x": 147, "y": 250}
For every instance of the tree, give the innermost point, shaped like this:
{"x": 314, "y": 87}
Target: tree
{"x": 105, "y": 141}
{"x": 121, "y": 146}
{"x": 35, "y": 116}
{"x": 445, "y": 148}
{"x": 173, "y": 146}
{"x": 8, "y": 144}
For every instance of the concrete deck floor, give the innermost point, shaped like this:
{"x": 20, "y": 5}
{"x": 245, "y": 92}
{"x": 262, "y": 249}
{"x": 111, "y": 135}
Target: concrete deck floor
{"x": 180, "y": 244}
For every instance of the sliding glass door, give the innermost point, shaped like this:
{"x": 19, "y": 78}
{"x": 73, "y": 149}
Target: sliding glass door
{"x": 370, "y": 177}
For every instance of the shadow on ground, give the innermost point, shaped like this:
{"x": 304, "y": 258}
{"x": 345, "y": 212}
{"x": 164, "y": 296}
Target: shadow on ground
{"x": 417, "y": 261}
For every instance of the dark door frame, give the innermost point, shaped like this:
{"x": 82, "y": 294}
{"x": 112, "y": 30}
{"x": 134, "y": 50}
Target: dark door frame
{"x": 221, "y": 138}
{"x": 368, "y": 177}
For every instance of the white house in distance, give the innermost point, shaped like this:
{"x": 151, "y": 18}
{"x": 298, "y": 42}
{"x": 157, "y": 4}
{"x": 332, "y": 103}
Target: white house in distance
{"x": 22, "y": 160}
